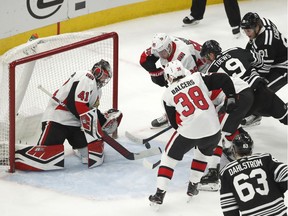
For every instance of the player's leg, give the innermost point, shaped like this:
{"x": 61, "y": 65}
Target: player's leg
{"x": 197, "y": 11}
{"x": 48, "y": 154}
{"x": 233, "y": 14}
{"x": 174, "y": 152}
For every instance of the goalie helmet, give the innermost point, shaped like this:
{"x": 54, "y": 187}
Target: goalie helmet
{"x": 242, "y": 144}
{"x": 250, "y": 21}
{"x": 160, "y": 42}
{"x": 102, "y": 73}
{"x": 173, "y": 71}
{"x": 210, "y": 46}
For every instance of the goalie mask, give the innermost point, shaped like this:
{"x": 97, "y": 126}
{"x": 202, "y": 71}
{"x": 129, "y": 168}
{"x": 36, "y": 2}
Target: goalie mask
{"x": 210, "y": 46}
{"x": 173, "y": 71}
{"x": 242, "y": 145}
{"x": 102, "y": 73}
{"x": 162, "y": 45}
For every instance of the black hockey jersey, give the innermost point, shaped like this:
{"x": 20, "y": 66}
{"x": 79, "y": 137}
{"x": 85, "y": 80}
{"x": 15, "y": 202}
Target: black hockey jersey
{"x": 238, "y": 62}
{"x": 254, "y": 185}
{"x": 272, "y": 45}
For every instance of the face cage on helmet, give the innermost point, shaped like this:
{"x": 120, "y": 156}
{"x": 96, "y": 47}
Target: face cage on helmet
{"x": 102, "y": 81}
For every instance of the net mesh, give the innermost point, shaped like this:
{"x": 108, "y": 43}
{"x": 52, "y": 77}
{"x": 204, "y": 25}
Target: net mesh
{"x": 50, "y": 72}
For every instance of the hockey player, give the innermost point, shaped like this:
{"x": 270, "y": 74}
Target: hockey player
{"x": 72, "y": 115}
{"x": 265, "y": 39}
{"x": 164, "y": 49}
{"x": 239, "y": 63}
{"x": 253, "y": 184}
{"x": 187, "y": 104}
{"x": 245, "y": 64}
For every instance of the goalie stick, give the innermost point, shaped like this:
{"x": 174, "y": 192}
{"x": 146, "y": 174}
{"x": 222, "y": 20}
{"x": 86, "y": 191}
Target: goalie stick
{"x": 112, "y": 142}
{"x": 146, "y": 140}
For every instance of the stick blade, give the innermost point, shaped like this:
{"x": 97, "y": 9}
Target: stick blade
{"x": 150, "y": 165}
{"x": 147, "y": 153}
{"x": 133, "y": 138}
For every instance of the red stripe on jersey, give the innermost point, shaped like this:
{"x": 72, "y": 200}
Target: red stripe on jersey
{"x": 218, "y": 151}
{"x": 81, "y": 107}
{"x": 232, "y": 136}
{"x": 170, "y": 140}
{"x": 198, "y": 165}
{"x": 215, "y": 94}
{"x": 166, "y": 172}
{"x": 178, "y": 119}
{"x": 173, "y": 52}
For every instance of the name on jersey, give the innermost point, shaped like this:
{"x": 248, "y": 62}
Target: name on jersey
{"x": 245, "y": 165}
{"x": 181, "y": 86}
{"x": 222, "y": 59}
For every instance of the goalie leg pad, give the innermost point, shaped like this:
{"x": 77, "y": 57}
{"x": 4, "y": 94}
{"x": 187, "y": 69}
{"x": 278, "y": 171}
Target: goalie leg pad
{"x": 40, "y": 158}
{"x": 113, "y": 119}
{"x": 95, "y": 153}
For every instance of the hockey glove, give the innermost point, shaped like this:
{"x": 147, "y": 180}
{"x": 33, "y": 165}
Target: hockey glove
{"x": 113, "y": 119}
{"x": 159, "y": 80}
{"x": 230, "y": 103}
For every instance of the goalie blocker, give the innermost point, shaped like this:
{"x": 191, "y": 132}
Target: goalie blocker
{"x": 41, "y": 157}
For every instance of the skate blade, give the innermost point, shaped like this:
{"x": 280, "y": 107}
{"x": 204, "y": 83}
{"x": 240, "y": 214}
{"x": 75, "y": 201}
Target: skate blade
{"x": 192, "y": 24}
{"x": 251, "y": 125}
{"x": 159, "y": 127}
{"x": 155, "y": 206}
{"x": 209, "y": 187}
{"x": 190, "y": 198}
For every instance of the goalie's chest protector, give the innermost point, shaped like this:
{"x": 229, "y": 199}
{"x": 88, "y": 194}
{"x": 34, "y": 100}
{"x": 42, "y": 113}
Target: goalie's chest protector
{"x": 80, "y": 88}
{"x": 195, "y": 112}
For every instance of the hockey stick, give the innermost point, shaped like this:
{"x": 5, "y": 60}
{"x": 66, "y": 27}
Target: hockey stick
{"x": 146, "y": 140}
{"x": 150, "y": 165}
{"x": 112, "y": 142}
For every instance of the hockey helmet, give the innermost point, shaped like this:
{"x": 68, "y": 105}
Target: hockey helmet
{"x": 174, "y": 70}
{"x": 210, "y": 46}
{"x": 102, "y": 72}
{"x": 160, "y": 42}
{"x": 250, "y": 21}
{"x": 242, "y": 144}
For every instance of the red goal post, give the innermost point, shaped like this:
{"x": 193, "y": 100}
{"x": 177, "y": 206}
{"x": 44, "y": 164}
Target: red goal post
{"x": 47, "y": 62}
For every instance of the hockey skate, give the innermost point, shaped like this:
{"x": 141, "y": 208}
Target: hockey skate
{"x": 160, "y": 122}
{"x": 210, "y": 181}
{"x": 251, "y": 120}
{"x": 189, "y": 20}
{"x": 192, "y": 190}
{"x": 236, "y": 31}
{"x": 157, "y": 199}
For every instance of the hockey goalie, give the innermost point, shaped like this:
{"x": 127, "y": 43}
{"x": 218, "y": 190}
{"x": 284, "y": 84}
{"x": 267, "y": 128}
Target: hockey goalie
{"x": 72, "y": 114}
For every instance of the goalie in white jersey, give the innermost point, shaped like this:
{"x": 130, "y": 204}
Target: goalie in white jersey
{"x": 193, "y": 116}
{"x": 71, "y": 114}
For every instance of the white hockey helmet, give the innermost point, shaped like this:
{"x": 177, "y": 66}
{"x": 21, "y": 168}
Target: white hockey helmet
{"x": 174, "y": 70}
{"x": 160, "y": 42}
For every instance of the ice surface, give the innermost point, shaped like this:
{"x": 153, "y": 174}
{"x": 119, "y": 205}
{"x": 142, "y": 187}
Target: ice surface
{"x": 119, "y": 186}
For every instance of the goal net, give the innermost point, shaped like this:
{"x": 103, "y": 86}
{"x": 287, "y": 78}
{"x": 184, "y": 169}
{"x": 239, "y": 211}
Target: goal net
{"x": 48, "y": 62}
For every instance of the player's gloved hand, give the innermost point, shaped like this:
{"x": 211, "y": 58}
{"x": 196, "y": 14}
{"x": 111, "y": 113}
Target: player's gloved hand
{"x": 159, "y": 80}
{"x": 231, "y": 103}
{"x": 259, "y": 82}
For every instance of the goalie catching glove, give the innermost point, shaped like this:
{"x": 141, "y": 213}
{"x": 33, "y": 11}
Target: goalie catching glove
{"x": 113, "y": 118}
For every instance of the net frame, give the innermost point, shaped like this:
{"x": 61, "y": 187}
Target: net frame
{"x": 12, "y": 85}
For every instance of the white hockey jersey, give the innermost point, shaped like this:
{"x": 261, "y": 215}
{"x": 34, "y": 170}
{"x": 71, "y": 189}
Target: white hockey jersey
{"x": 79, "y": 94}
{"x": 196, "y": 115}
{"x": 187, "y": 55}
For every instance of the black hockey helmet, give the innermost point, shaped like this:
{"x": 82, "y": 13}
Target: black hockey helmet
{"x": 210, "y": 46}
{"x": 102, "y": 72}
{"x": 242, "y": 144}
{"x": 250, "y": 21}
